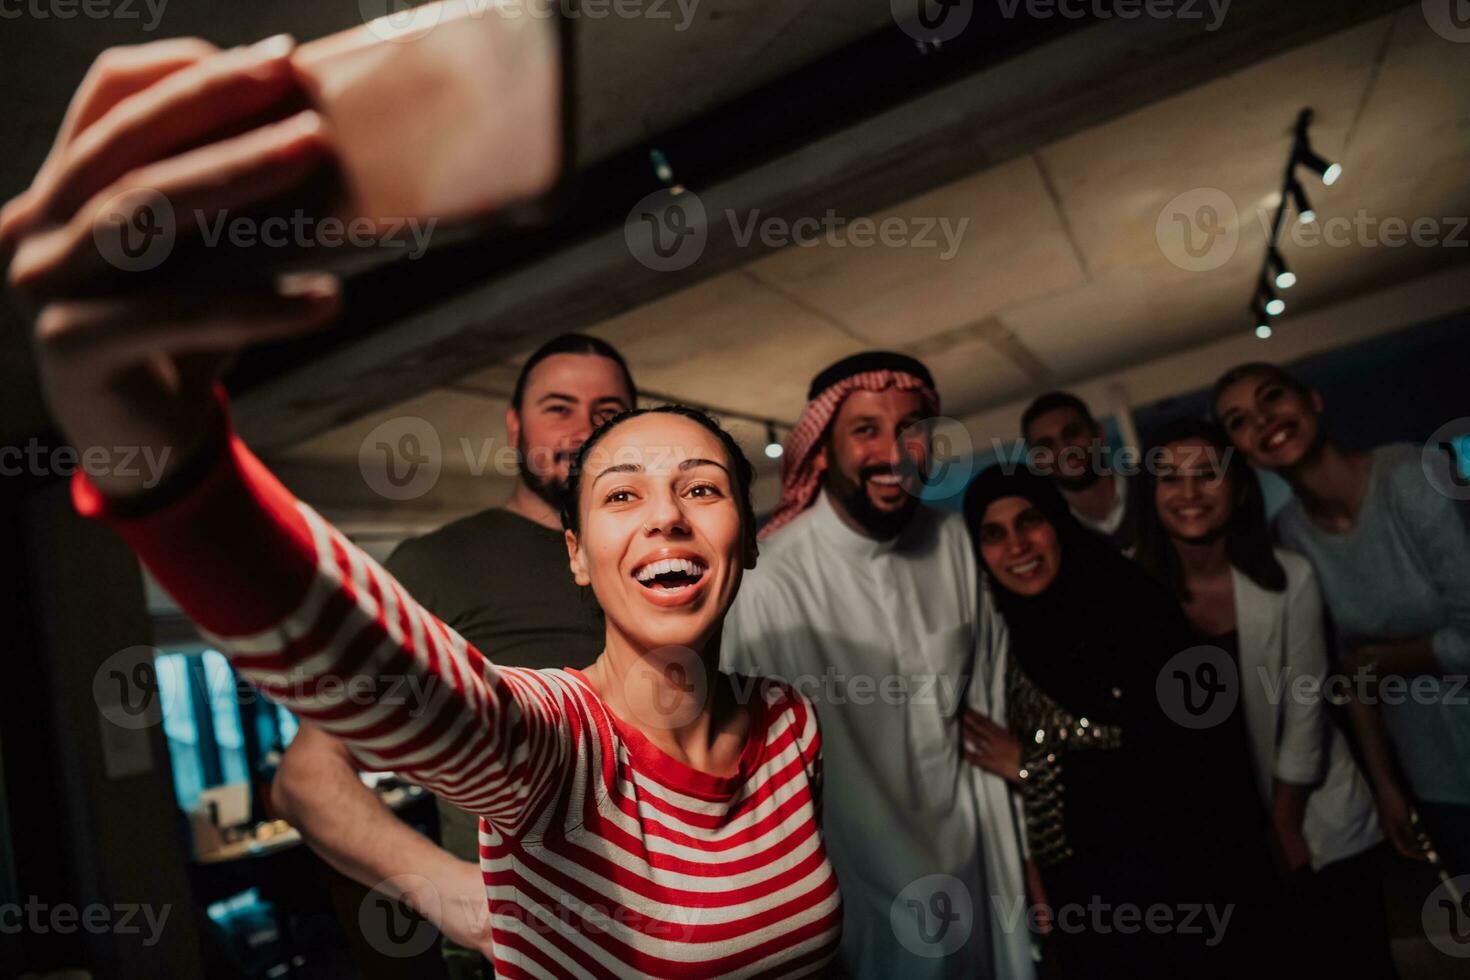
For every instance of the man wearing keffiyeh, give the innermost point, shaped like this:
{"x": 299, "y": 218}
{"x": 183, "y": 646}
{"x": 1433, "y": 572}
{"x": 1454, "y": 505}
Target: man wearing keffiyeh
{"x": 868, "y": 602}
{"x": 864, "y": 469}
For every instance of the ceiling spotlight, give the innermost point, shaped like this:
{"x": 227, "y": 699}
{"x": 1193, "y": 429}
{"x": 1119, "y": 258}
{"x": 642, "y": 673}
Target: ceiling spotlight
{"x": 661, "y": 168}
{"x": 1302, "y": 154}
{"x": 1285, "y": 278}
{"x": 773, "y": 445}
{"x": 1329, "y": 172}
{"x": 1304, "y": 212}
{"x": 1259, "y": 312}
{"x": 1275, "y": 305}
{"x": 1275, "y": 274}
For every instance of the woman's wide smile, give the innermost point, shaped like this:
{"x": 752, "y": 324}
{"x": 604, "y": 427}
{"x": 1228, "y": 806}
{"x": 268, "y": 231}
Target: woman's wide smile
{"x": 671, "y": 576}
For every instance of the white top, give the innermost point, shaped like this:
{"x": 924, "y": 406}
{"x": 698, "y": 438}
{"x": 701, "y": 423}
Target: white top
{"x": 1403, "y": 572}
{"x": 1283, "y": 659}
{"x": 885, "y": 637}
{"x": 1109, "y": 525}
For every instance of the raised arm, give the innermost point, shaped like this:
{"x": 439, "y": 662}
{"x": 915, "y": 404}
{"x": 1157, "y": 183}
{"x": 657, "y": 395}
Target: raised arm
{"x": 301, "y": 612}
{"x": 318, "y": 626}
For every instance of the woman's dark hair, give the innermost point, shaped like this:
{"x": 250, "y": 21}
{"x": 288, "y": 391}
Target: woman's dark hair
{"x": 1248, "y": 542}
{"x": 1256, "y": 369}
{"x": 740, "y": 468}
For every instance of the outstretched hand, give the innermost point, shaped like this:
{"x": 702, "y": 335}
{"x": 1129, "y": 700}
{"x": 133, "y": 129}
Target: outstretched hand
{"x": 146, "y": 123}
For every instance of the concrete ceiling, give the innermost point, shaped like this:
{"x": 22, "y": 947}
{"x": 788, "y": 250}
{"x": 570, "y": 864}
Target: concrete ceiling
{"x": 644, "y": 75}
{"x": 636, "y": 76}
{"x": 1061, "y": 275}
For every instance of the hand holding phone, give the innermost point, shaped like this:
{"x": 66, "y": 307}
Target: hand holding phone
{"x": 180, "y": 166}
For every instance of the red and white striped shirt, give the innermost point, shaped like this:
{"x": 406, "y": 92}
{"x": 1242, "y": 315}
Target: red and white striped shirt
{"x": 601, "y": 855}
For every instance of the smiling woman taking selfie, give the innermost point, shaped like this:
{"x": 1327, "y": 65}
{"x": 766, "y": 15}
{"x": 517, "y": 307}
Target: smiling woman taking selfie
{"x": 647, "y": 817}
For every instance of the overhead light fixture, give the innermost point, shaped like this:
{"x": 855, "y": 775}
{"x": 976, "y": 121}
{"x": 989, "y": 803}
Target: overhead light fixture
{"x": 1304, "y": 212}
{"x": 1275, "y": 274}
{"x": 1329, "y": 172}
{"x": 1263, "y": 328}
{"x": 1284, "y": 277}
{"x": 774, "y": 448}
{"x": 661, "y": 168}
{"x": 1275, "y": 305}
{"x": 1303, "y": 155}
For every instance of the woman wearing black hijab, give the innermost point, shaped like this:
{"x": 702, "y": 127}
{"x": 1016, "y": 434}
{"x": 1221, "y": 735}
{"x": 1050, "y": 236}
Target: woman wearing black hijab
{"x": 1147, "y": 833}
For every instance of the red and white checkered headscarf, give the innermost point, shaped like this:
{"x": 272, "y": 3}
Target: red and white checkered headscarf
{"x": 871, "y": 371}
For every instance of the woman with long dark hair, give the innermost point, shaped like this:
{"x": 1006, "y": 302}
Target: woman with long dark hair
{"x": 650, "y": 816}
{"x": 645, "y": 817}
{"x": 1205, "y": 534}
{"x": 1392, "y": 552}
{"x": 1125, "y": 807}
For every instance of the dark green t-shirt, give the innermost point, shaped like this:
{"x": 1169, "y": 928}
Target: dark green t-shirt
{"x": 501, "y": 582}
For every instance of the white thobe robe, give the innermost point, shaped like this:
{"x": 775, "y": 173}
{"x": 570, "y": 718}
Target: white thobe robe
{"x": 890, "y": 639}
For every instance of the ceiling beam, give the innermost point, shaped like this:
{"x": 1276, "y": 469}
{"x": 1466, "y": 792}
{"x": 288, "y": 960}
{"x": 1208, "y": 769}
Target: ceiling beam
{"x": 451, "y": 323}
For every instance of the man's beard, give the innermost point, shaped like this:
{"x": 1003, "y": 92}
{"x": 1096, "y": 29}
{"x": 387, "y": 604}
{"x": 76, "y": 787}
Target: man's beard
{"x": 881, "y": 524}
{"x": 1081, "y": 481}
{"x": 551, "y": 490}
